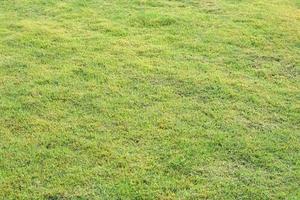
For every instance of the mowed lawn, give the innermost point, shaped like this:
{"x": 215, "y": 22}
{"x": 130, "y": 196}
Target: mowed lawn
{"x": 149, "y": 99}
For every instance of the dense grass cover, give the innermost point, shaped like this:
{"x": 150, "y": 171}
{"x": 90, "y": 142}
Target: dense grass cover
{"x": 149, "y": 99}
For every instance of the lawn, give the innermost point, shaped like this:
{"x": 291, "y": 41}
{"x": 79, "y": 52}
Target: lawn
{"x": 149, "y": 99}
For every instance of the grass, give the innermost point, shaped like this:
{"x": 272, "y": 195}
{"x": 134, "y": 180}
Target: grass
{"x": 149, "y": 99}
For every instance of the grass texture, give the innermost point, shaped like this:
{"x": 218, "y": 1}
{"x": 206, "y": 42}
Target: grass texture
{"x": 149, "y": 99}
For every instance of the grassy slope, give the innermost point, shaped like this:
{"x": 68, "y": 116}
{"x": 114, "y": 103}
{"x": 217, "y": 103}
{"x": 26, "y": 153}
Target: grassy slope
{"x": 107, "y": 99}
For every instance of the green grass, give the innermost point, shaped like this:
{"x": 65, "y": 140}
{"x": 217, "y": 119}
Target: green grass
{"x": 149, "y": 99}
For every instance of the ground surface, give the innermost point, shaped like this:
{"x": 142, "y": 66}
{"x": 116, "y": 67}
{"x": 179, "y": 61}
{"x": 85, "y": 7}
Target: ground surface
{"x": 149, "y": 99}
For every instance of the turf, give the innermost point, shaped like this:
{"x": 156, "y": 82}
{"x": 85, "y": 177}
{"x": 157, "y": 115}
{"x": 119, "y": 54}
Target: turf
{"x": 149, "y": 99}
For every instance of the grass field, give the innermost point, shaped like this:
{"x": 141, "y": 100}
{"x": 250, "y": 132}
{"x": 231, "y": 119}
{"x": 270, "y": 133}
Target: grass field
{"x": 149, "y": 99}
